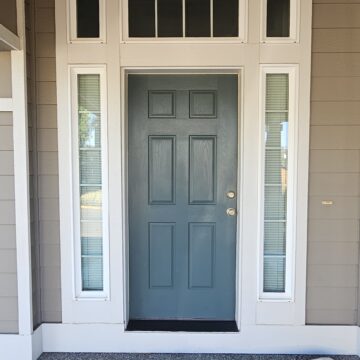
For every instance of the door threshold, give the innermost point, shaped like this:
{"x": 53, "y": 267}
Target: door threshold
{"x": 182, "y": 325}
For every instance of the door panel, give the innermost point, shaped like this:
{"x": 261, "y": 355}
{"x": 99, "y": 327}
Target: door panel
{"x": 182, "y": 162}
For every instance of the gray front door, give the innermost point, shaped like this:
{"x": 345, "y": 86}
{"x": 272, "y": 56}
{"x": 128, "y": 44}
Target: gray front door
{"x": 182, "y": 165}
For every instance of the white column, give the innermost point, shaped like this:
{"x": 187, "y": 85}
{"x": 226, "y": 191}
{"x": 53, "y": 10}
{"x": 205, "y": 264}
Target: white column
{"x": 21, "y": 171}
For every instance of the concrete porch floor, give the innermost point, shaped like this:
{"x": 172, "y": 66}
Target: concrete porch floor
{"x": 95, "y": 356}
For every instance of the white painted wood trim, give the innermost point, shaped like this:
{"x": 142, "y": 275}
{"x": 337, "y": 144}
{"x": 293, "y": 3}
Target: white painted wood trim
{"x": 8, "y": 39}
{"x": 311, "y": 340}
{"x": 21, "y": 173}
{"x": 6, "y": 104}
{"x": 330, "y": 340}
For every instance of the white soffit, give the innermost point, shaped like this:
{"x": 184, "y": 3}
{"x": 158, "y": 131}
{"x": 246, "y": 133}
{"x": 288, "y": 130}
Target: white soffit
{"x": 8, "y": 40}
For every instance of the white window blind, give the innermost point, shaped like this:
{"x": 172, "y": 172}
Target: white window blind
{"x": 276, "y": 183}
{"x": 90, "y": 181}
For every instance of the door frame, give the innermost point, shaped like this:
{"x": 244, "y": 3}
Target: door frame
{"x": 124, "y": 72}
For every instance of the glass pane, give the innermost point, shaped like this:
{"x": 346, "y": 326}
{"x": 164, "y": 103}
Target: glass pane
{"x": 276, "y": 130}
{"x": 274, "y": 277}
{"x": 89, "y": 93}
{"x": 90, "y": 167}
{"x": 91, "y": 246}
{"x": 278, "y": 18}
{"x": 142, "y": 18}
{"x": 197, "y": 18}
{"x": 92, "y": 274}
{"x": 277, "y": 93}
{"x": 170, "y": 20}
{"x": 87, "y": 17}
{"x": 275, "y": 238}
{"x": 90, "y": 176}
{"x": 276, "y": 180}
{"x": 91, "y": 203}
{"x": 275, "y": 203}
{"x": 89, "y": 129}
{"x": 226, "y": 18}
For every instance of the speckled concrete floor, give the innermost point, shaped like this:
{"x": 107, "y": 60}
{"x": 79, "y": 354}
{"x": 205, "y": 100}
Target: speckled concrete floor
{"x": 84, "y": 356}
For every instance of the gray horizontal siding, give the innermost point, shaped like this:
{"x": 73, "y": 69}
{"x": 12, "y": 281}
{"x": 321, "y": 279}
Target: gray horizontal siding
{"x": 333, "y": 232}
{"x": 8, "y": 271}
{"x": 47, "y": 162}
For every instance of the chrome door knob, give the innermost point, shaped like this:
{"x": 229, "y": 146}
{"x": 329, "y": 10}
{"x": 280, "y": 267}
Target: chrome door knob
{"x": 231, "y": 212}
{"x": 231, "y": 194}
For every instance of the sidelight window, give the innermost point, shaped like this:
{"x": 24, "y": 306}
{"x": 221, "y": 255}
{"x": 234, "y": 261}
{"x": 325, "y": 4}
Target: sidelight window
{"x": 277, "y": 235}
{"x": 90, "y": 180}
{"x": 186, "y": 18}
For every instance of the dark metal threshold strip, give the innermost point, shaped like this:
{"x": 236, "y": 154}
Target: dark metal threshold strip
{"x": 182, "y": 325}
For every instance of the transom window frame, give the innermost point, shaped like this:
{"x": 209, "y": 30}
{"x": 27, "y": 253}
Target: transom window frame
{"x": 72, "y": 24}
{"x": 293, "y": 72}
{"x": 294, "y": 25}
{"x": 241, "y": 38}
{"x": 79, "y": 293}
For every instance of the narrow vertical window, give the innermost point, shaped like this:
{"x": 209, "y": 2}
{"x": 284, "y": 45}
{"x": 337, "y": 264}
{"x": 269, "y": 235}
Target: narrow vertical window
{"x": 86, "y": 20}
{"x": 277, "y": 181}
{"x": 90, "y": 178}
{"x": 280, "y": 20}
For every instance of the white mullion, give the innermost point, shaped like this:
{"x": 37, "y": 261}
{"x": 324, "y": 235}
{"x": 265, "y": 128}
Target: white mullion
{"x": 211, "y": 18}
{"x": 184, "y": 17}
{"x": 156, "y": 19}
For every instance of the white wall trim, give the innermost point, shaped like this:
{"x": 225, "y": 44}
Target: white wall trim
{"x": 314, "y": 340}
{"x": 8, "y": 40}
{"x": 6, "y": 104}
{"x": 21, "y": 172}
{"x": 331, "y": 340}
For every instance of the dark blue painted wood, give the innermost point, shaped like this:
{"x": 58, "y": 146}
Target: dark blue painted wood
{"x": 182, "y": 162}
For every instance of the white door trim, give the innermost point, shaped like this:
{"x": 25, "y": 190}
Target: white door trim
{"x": 124, "y": 165}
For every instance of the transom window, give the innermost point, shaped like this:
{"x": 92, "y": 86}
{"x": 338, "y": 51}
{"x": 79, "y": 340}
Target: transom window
{"x": 186, "y": 18}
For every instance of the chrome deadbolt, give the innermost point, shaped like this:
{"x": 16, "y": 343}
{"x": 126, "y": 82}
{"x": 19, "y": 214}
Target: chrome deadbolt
{"x": 231, "y": 194}
{"x": 231, "y": 212}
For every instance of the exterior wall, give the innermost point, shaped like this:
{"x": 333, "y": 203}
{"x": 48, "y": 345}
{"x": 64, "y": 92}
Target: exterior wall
{"x": 333, "y": 248}
{"x": 40, "y": 27}
{"x": 47, "y": 161}
{"x": 8, "y": 16}
{"x": 31, "y": 83}
{"x": 8, "y": 280}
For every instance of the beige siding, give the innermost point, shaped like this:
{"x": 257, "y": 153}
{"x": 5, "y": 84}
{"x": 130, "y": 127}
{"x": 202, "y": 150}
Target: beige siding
{"x": 333, "y": 248}
{"x": 8, "y": 16}
{"x": 8, "y": 280}
{"x": 46, "y": 161}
